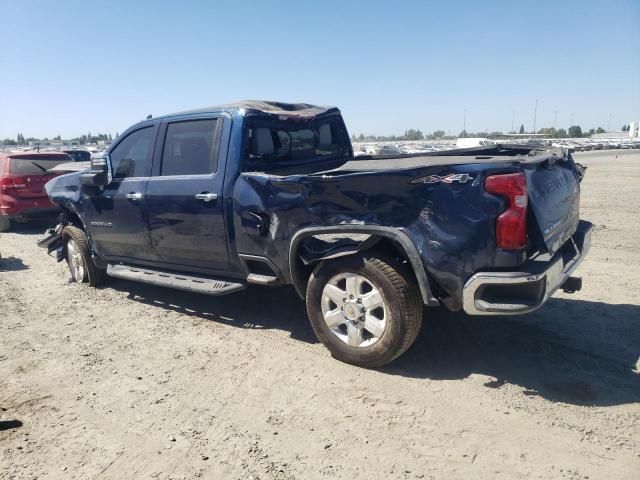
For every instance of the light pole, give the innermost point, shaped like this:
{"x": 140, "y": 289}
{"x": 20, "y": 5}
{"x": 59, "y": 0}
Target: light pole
{"x": 464, "y": 123}
{"x": 513, "y": 119}
{"x": 535, "y": 112}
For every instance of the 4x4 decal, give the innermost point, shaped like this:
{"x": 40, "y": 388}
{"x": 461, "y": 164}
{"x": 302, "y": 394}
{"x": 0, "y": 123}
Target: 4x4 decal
{"x": 451, "y": 178}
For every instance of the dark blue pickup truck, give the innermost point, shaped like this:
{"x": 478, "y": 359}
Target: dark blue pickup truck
{"x": 270, "y": 193}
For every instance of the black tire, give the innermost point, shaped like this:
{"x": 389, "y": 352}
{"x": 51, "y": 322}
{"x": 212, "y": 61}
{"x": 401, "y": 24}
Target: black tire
{"x": 402, "y": 300}
{"x": 5, "y": 223}
{"x": 91, "y": 274}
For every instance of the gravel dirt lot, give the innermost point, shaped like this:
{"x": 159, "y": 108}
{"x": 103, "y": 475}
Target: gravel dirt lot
{"x": 130, "y": 381}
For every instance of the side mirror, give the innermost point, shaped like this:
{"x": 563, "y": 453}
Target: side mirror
{"x": 98, "y": 174}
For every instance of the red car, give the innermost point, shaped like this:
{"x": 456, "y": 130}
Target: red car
{"x": 22, "y": 179}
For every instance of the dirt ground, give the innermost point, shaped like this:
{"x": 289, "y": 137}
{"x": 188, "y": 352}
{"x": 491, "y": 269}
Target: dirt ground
{"x": 134, "y": 382}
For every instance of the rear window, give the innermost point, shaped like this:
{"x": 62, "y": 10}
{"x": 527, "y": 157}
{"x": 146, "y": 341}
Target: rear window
{"x": 285, "y": 143}
{"x": 35, "y": 165}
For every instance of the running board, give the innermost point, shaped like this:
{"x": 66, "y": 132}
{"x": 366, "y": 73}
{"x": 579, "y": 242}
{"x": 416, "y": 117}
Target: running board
{"x": 190, "y": 283}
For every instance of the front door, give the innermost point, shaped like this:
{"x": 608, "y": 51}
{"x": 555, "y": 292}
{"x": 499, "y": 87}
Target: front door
{"x": 115, "y": 217}
{"x": 184, "y": 197}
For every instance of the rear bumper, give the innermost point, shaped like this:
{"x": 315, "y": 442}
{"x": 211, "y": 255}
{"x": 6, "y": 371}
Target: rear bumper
{"x": 25, "y": 208}
{"x": 30, "y": 213}
{"x": 509, "y": 293}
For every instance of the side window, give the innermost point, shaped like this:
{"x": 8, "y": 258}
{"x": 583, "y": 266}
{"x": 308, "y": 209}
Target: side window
{"x": 190, "y": 148}
{"x": 131, "y": 156}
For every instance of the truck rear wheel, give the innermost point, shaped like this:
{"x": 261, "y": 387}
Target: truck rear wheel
{"x": 367, "y": 311}
{"x": 78, "y": 256}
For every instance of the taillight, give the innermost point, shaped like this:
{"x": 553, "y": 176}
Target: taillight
{"x": 511, "y": 225}
{"x": 6, "y": 183}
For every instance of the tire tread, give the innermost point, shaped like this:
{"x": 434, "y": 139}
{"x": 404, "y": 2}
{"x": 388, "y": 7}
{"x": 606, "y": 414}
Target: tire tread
{"x": 404, "y": 289}
{"x": 94, "y": 275}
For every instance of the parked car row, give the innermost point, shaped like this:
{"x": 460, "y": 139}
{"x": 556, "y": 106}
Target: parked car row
{"x": 583, "y": 145}
{"x": 424, "y": 146}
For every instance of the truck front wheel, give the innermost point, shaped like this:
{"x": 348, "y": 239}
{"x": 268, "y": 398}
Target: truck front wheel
{"x": 78, "y": 256}
{"x": 365, "y": 310}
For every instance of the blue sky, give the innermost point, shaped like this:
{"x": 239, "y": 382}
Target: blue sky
{"x": 69, "y": 67}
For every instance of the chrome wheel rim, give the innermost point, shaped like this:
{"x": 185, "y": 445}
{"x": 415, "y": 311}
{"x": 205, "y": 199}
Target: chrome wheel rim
{"x": 75, "y": 261}
{"x": 354, "y": 310}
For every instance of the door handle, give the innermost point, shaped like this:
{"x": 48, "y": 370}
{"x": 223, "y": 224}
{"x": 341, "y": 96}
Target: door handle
{"x": 207, "y": 197}
{"x": 134, "y": 196}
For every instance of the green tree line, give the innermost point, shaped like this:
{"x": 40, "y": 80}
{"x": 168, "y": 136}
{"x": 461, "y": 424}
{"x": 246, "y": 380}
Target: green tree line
{"x": 81, "y": 140}
{"x": 574, "y": 131}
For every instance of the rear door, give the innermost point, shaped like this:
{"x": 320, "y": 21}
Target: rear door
{"x": 115, "y": 217}
{"x": 184, "y": 198}
{"x": 554, "y": 197}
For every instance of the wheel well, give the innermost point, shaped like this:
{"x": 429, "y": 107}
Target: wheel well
{"x": 383, "y": 245}
{"x": 72, "y": 218}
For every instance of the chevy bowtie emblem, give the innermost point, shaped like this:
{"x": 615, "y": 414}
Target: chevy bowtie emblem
{"x": 451, "y": 178}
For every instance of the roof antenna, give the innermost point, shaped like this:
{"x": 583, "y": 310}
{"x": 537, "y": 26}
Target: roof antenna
{"x": 149, "y": 116}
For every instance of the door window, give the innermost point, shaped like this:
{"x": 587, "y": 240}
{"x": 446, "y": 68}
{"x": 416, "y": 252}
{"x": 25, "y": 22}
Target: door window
{"x": 130, "y": 158}
{"x": 190, "y": 148}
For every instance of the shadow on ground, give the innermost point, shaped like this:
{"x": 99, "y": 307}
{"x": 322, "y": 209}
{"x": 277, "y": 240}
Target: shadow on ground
{"x": 12, "y": 264}
{"x": 255, "y": 308}
{"x": 32, "y": 227}
{"x": 572, "y": 351}
{"x": 9, "y": 424}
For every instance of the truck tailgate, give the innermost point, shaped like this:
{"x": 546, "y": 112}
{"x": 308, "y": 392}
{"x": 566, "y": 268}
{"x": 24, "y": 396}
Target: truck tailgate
{"x": 554, "y": 198}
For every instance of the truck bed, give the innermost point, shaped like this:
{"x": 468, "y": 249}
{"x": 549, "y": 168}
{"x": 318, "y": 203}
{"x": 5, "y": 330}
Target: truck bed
{"x": 490, "y": 154}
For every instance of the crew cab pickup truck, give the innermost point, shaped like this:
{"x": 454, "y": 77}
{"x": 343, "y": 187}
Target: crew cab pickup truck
{"x": 269, "y": 193}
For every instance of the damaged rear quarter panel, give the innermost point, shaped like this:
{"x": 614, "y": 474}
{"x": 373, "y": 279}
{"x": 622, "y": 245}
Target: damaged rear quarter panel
{"x": 450, "y": 224}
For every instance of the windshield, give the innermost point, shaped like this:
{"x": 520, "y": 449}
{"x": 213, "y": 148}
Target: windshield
{"x": 274, "y": 145}
{"x": 35, "y": 164}
{"x": 79, "y": 155}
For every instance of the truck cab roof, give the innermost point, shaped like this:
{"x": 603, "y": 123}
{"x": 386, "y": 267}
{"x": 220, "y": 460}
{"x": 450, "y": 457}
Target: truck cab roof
{"x": 281, "y": 110}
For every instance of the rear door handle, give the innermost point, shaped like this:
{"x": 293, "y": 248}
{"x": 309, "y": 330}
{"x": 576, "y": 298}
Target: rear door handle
{"x": 134, "y": 196}
{"x": 207, "y": 197}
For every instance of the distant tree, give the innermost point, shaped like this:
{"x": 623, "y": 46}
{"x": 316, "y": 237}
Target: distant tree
{"x": 548, "y": 131}
{"x": 562, "y": 133}
{"x": 9, "y": 141}
{"x": 625, "y": 128}
{"x": 361, "y": 136}
{"x": 601, "y": 130}
{"x": 575, "y": 131}
{"x": 57, "y": 137}
{"x": 412, "y": 134}
{"x": 463, "y": 134}
{"x": 438, "y": 134}
{"x": 117, "y": 134}
{"x": 521, "y": 129}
